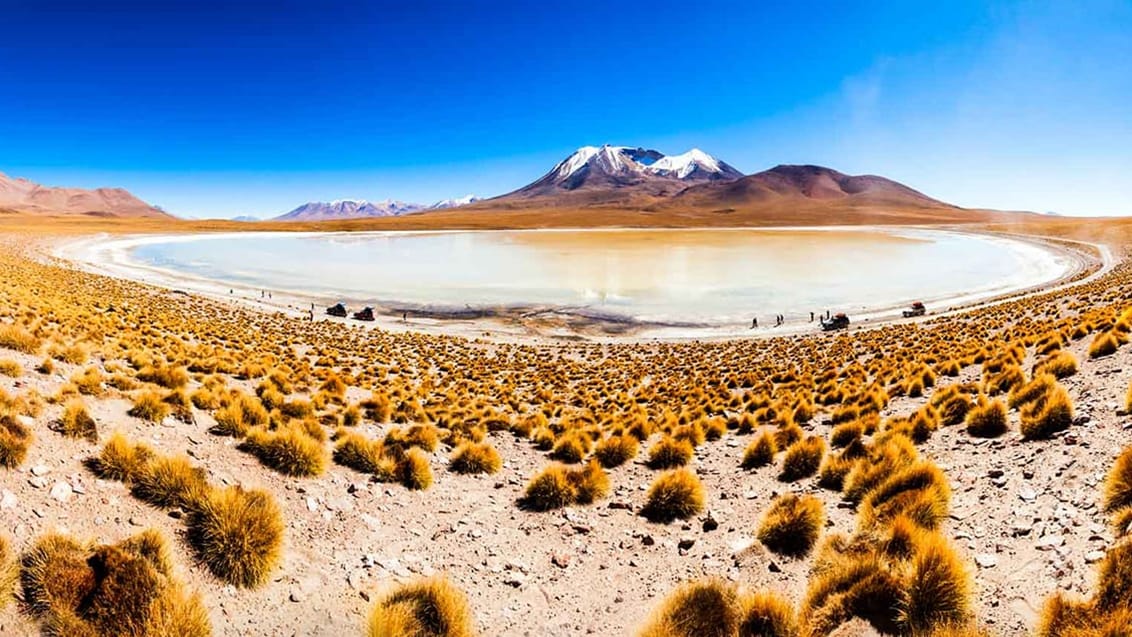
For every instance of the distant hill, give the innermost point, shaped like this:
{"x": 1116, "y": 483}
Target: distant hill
{"x": 27, "y": 197}
{"x": 806, "y": 182}
{"x": 349, "y": 209}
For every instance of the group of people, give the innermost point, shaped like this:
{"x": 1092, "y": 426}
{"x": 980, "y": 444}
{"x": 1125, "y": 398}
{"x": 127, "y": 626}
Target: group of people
{"x": 780, "y": 319}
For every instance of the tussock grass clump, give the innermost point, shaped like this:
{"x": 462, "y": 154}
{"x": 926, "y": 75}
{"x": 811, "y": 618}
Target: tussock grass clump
{"x": 413, "y": 470}
{"x": 121, "y": 459}
{"x": 954, "y": 410}
{"x": 884, "y": 458}
{"x": 149, "y": 406}
{"x": 472, "y": 457}
{"x": 1128, "y": 399}
{"x": 616, "y": 450}
{"x": 1032, "y": 391}
{"x": 77, "y": 422}
{"x": 167, "y": 376}
{"x": 17, "y": 338}
{"x": 1049, "y": 414}
{"x": 802, "y": 459}
{"x": 11, "y": 368}
{"x": 425, "y": 608}
{"x": 669, "y": 452}
{"x": 550, "y": 489}
{"x": 15, "y": 439}
{"x": 846, "y": 433}
{"x": 1114, "y": 579}
{"x": 919, "y": 492}
{"x": 171, "y": 482}
{"x": 675, "y": 494}
{"x": 1118, "y": 490}
{"x": 853, "y": 586}
{"x": 760, "y": 452}
{"x": 1061, "y": 364}
{"x": 289, "y": 451}
{"x": 706, "y": 608}
{"x": 987, "y": 419}
{"x": 88, "y": 382}
{"x": 420, "y": 436}
{"x": 938, "y": 593}
{"x": 1104, "y": 344}
{"x": 368, "y": 456}
{"x": 792, "y": 525}
{"x": 127, "y": 589}
{"x": 569, "y": 449}
{"x": 9, "y": 572}
{"x": 557, "y": 486}
{"x": 765, "y": 614}
{"x": 238, "y": 535}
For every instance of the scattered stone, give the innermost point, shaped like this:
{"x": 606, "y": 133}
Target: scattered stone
{"x": 685, "y": 543}
{"x": 40, "y": 470}
{"x": 710, "y": 523}
{"x": 986, "y": 560}
{"x": 561, "y": 560}
{"x": 61, "y": 491}
{"x": 8, "y": 500}
{"x": 1094, "y": 556}
{"x": 1028, "y": 494}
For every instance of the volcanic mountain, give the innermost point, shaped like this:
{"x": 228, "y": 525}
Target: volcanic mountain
{"x": 349, "y": 209}
{"x": 814, "y": 183}
{"x": 594, "y": 175}
{"x": 23, "y": 196}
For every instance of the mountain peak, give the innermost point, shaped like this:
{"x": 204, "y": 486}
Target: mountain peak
{"x": 22, "y": 195}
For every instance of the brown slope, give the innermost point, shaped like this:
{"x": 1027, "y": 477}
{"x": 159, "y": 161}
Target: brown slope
{"x": 803, "y": 184}
{"x": 27, "y": 197}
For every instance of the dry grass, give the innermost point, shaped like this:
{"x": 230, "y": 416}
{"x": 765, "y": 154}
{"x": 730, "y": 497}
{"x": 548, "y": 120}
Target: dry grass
{"x": 17, "y": 338}
{"x": 413, "y": 470}
{"x": 792, "y": 525}
{"x": 675, "y": 495}
{"x": 149, "y": 406}
{"x": 122, "y": 460}
{"x": 938, "y": 593}
{"x": 77, "y": 422}
{"x": 669, "y": 452}
{"x": 707, "y": 608}
{"x": 9, "y": 572}
{"x": 1049, "y": 414}
{"x": 11, "y": 368}
{"x": 171, "y": 482}
{"x": 760, "y": 452}
{"x": 368, "y": 456}
{"x": 290, "y": 451}
{"x": 558, "y": 486}
{"x": 238, "y": 535}
{"x": 802, "y": 459}
{"x": 424, "y": 608}
{"x": 471, "y": 457}
{"x": 616, "y": 450}
{"x": 15, "y": 440}
{"x": 987, "y": 419}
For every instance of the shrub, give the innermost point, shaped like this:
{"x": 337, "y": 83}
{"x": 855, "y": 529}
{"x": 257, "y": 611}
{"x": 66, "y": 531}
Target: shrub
{"x": 615, "y": 451}
{"x": 1128, "y": 399}
{"x": 122, "y": 460}
{"x": 1032, "y": 391}
{"x": 11, "y": 368}
{"x": 368, "y": 456}
{"x": 1062, "y": 364}
{"x": 15, "y": 439}
{"x": 885, "y": 458}
{"x": 1051, "y": 413}
{"x": 425, "y": 608}
{"x": 792, "y": 524}
{"x": 938, "y": 590}
{"x": 54, "y": 574}
{"x": 707, "y": 608}
{"x": 787, "y": 435}
{"x": 16, "y": 338}
{"x": 669, "y": 452}
{"x": 590, "y": 483}
{"x": 88, "y": 382}
{"x": 413, "y": 470}
{"x": 675, "y": 494}
{"x": 9, "y": 573}
{"x": 167, "y": 376}
{"x": 760, "y": 452}
{"x": 987, "y": 419}
{"x": 1114, "y": 580}
{"x": 569, "y": 449}
{"x": 853, "y": 586}
{"x": 846, "y": 433}
{"x": 954, "y": 410}
{"x": 1104, "y": 344}
{"x": 765, "y": 614}
{"x": 802, "y": 459}
{"x": 550, "y": 489}
{"x": 289, "y": 451}
{"x": 149, "y": 406}
{"x": 471, "y": 457}
{"x": 919, "y": 492}
{"x": 420, "y": 436}
{"x": 238, "y": 535}
{"x": 171, "y": 482}
{"x": 77, "y": 422}
{"x": 1118, "y": 485}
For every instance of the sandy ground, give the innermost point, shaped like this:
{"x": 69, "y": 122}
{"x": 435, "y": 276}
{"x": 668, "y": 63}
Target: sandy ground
{"x": 549, "y": 324}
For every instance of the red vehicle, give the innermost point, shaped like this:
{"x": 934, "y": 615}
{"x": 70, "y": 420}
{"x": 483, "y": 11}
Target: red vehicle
{"x": 917, "y": 309}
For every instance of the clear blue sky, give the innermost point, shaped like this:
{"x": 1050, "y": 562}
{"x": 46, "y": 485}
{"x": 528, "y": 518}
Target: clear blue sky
{"x": 224, "y": 108}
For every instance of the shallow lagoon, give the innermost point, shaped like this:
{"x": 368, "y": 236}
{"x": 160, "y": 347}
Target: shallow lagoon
{"x": 707, "y": 277}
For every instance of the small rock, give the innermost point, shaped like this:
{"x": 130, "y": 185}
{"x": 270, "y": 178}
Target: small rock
{"x": 40, "y": 470}
{"x": 8, "y": 500}
{"x": 1094, "y": 556}
{"x": 1028, "y": 494}
{"x": 561, "y": 560}
{"x": 61, "y": 491}
{"x": 710, "y": 523}
{"x": 685, "y": 543}
{"x": 986, "y": 560}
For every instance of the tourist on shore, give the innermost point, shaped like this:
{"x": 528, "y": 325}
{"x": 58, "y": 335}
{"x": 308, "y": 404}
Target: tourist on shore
{"x": 754, "y": 322}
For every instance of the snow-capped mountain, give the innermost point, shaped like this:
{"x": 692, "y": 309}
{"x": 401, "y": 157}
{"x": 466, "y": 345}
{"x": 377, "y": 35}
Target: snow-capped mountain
{"x": 620, "y": 171}
{"x": 349, "y": 209}
{"x": 454, "y": 203}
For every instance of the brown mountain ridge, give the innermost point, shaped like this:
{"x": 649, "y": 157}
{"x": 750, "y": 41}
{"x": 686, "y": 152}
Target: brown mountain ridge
{"x": 24, "y": 196}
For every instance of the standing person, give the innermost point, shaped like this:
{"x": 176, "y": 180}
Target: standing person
{"x": 754, "y": 322}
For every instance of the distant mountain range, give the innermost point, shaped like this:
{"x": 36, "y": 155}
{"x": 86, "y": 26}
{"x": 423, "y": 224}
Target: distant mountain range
{"x": 362, "y": 209}
{"x": 21, "y": 195}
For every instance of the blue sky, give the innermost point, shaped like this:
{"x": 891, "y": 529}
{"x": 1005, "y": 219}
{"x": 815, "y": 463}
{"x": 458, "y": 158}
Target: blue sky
{"x": 225, "y": 108}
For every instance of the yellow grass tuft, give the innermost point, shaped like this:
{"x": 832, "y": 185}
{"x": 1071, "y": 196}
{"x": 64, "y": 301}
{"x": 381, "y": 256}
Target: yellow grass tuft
{"x": 792, "y": 525}
{"x": 171, "y": 482}
{"x": 149, "y": 406}
{"x": 413, "y": 470}
{"x": 11, "y": 368}
{"x": 669, "y": 452}
{"x": 765, "y": 614}
{"x": 238, "y": 535}
{"x": 706, "y": 608}
{"x": 424, "y": 608}
{"x": 1118, "y": 485}
{"x": 675, "y": 494}
{"x": 550, "y": 489}
{"x": 616, "y": 450}
{"x": 77, "y": 422}
{"x": 9, "y": 573}
{"x": 938, "y": 592}
{"x": 919, "y": 492}
{"x": 122, "y": 460}
{"x": 471, "y": 457}
{"x": 15, "y": 439}
{"x": 802, "y": 459}
{"x": 290, "y": 451}
{"x": 987, "y": 419}
{"x": 760, "y": 452}
{"x": 1104, "y": 344}
{"x": 16, "y": 338}
{"x": 368, "y": 456}
{"x": 1049, "y": 414}
{"x": 590, "y": 483}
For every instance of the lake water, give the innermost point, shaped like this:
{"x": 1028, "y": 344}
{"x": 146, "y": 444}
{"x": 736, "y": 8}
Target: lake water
{"x": 708, "y": 277}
